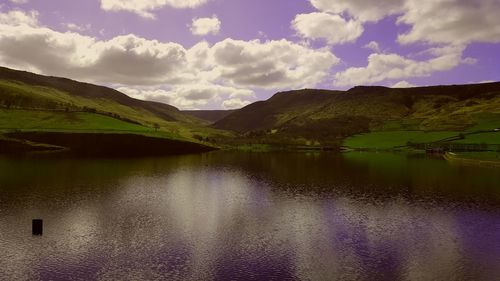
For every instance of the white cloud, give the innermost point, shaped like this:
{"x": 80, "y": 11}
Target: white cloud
{"x": 194, "y": 96}
{"x": 131, "y": 60}
{"x": 432, "y": 21}
{"x": 383, "y": 67}
{"x": 271, "y": 64}
{"x": 123, "y": 59}
{"x": 205, "y": 26}
{"x": 235, "y": 103}
{"x": 374, "y": 46}
{"x": 144, "y": 8}
{"x": 19, "y": 1}
{"x": 76, "y": 27}
{"x": 364, "y": 10}
{"x": 437, "y": 23}
{"x": 403, "y": 84}
{"x": 451, "y": 21}
{"x": 333, "y": 28}
{"x": 17, "y": 18}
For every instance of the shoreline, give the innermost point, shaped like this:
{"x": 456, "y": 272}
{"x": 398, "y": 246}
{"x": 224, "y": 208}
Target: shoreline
{"x": 97, "y": 144}
{"x": 461, "y": 159}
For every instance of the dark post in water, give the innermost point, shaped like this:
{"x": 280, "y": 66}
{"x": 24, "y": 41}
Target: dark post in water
{"x": 37, "y": 227}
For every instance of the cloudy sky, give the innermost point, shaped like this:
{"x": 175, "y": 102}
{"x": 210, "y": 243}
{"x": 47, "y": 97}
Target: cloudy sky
{"x": 217, "y": 54}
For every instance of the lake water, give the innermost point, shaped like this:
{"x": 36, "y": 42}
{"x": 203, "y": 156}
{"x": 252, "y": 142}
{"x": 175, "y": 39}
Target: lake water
{"x": 250, "y": 216}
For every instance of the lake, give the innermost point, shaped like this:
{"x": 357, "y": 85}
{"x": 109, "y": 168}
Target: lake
{"x": 250, "y": 216}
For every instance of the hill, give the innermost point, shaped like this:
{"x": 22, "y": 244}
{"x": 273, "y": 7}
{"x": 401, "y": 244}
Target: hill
{"x": 363, "y": 117}
{"x": 36, "y": 103}
{"x": 330, "y": 117}
{"x": 25, "y": 89}
{"x": 210, "y": 116}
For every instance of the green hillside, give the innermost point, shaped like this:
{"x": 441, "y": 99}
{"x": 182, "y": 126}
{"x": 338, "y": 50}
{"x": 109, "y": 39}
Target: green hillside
{"x": 60, "y": 121}
{"x": 372, "y": 117}
{"x": 20, "y": 88}
{"x": 31, "y": 103}
{"x": 64, "y": 101}
{"x": 210, "y": 116}
{"x": 458, "y": 116}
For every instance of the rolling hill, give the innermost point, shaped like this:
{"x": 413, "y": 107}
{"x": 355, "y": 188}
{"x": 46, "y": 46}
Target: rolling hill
{"x": 36, "y": 107}
{"x": 29, "y": 90}
{"x": 35, "y": 103}
{"x": 330, "y": 117}
{"x": 211, "y": 116}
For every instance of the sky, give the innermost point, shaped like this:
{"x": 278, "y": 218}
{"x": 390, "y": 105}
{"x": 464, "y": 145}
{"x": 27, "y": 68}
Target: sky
{"x": 225, "y": 54}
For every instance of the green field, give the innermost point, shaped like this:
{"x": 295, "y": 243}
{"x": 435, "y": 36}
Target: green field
{"x": 390, "y": 136}
{"x": 80, "y": 122}
{"x": 37, "y": 97}
{"x": 394, "y": 139}
{"x": 485, "y": 122}
{"x": 51, "y": 103}
{"x": 54, "y": 120}
{"x": 482, "y": 138}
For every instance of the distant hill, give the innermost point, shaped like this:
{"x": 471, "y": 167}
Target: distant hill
{"x": 334, "y": 115}
{"x": 210, "y": 116}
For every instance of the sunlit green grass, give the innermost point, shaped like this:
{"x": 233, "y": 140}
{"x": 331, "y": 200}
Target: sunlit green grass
{"x": 55, "y": 121}
{"x": 395, "y": 139}
{"x": 35, "y": 120}
{"x": 485, "y": 122}
{"x": 37, "y": 97}
{"x": 482, "y": 138}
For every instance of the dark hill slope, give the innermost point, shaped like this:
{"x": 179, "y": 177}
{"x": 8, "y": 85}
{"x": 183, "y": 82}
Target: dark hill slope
{"x": 265, "y": 115}
{"x": 321, "y": 114}
{"x": 210, "y": 116}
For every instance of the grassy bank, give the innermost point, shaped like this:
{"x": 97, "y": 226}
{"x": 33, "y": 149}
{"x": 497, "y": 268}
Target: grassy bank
{"x": 16, "y": 146}
{"x": 110, "y": 144}
{"x": 87, "y": 134}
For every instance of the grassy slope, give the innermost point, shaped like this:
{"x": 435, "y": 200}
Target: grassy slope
{"x": 395, "y": 139}
{"x": 388, "y": 136}
{"x": 378, "y": 117}
{"x": 486, "y": 138}
{"x": 56, "y": 121}
{"x": 32, "y": 91}
{"x": 278, "y": 110}
{"x": 92, "y": 93}
{"x": 210, "y": 116}
{"x": 418, "y": 114}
